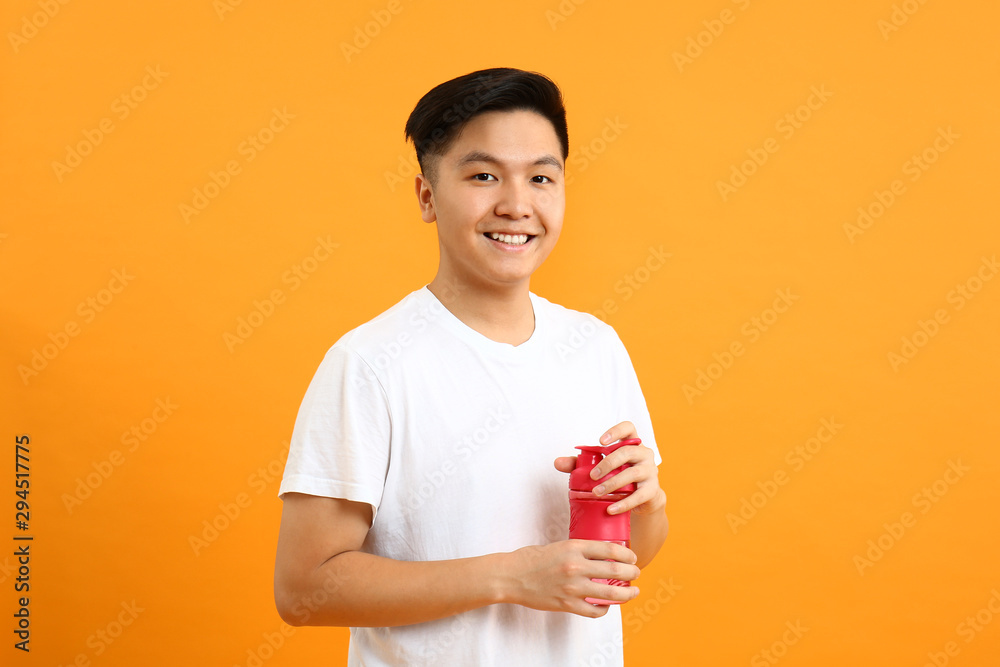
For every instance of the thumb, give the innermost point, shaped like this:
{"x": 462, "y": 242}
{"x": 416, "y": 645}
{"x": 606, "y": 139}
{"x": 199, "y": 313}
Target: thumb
{"x": 565, "y": 463}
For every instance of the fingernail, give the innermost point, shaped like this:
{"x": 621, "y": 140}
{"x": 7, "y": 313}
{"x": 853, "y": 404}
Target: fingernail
{"x": 606, "y": 438}
{"x": 614, "y": 509}
{"x": 599, "y": 490}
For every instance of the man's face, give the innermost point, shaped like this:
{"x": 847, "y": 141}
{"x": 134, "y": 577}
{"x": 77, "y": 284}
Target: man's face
{"x": 498, "y": 199}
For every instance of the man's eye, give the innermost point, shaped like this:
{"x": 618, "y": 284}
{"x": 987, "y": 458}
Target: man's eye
{"x": 484, "y": 177}
{"x": 547, "y": 179}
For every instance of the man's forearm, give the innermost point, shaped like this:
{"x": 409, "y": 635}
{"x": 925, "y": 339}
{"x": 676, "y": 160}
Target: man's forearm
{"x": 359, "y": 589}
{"x": 649, "y": 532}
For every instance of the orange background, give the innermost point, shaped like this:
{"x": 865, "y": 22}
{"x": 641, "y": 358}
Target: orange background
{"x": 661, "y": 134}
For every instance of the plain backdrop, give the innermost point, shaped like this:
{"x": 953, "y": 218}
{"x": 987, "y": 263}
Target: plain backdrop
{"x": 787, "y": 210}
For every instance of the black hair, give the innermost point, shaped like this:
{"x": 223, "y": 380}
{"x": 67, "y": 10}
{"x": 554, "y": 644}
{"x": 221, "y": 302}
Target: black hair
{"x": 440, "y": 115}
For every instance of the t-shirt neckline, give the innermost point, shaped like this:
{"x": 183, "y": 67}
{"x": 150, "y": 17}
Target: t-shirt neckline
{"x": 485, "y": 344}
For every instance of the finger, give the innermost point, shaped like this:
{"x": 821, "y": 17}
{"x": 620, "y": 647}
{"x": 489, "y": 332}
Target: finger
{"x": 617, "y": 432}
{"x": 597, "y": 550}
{"x": 602, "y": 591}
{"x": 641, "y": 496}
{"x": 565, "y": 463}
{"x": 632, "y": 455}
{"x": 583, "y": 608}
{"x": 657, "y": 503}
{"x": 631, "y": 474}
{"x": 612, "y": 569}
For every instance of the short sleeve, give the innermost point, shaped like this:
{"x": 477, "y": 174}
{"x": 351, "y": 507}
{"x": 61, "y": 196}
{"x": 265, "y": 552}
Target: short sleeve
{"x": 632, "y": 405}
{"x": 341, "y": 440}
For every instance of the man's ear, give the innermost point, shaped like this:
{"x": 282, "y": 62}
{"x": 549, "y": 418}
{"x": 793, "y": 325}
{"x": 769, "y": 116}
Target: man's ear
{"x": 425, "y": 197}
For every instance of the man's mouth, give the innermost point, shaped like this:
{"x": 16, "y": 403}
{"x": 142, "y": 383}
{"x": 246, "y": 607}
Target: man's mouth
{"x": 509, "y": 239}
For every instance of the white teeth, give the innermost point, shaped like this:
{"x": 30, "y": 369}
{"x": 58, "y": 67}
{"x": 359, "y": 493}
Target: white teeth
{"x": 515, "y": 239}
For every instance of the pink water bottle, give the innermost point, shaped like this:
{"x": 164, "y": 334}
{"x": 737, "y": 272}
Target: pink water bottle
{"x": 588, "y": 514}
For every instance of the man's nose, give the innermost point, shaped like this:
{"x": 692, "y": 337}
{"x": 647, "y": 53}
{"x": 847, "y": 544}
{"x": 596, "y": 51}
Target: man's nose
{"x": 515, "y": 200}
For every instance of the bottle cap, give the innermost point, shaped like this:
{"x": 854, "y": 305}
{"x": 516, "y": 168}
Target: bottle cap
{"x": 590, "y": 456}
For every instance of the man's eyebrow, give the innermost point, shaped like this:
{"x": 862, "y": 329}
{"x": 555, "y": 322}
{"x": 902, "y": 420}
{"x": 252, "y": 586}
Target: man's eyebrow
{"x": 480, "y": 156}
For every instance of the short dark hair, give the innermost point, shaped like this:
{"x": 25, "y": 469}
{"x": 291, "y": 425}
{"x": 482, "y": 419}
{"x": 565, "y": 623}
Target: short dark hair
{"x": 444, "y": 111}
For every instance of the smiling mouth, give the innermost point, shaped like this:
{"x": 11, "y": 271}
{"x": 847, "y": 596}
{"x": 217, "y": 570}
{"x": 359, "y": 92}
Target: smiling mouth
{"x": 509, "y": 239}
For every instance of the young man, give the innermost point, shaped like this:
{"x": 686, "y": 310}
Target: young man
{"x": 425, "y": 493}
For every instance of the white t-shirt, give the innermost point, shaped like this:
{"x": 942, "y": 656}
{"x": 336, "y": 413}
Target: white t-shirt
{"x": 451, "y": 437}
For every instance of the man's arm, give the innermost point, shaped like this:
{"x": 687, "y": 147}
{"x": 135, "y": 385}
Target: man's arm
{"x": 321, "y": 577}
{"x": 649, "y": 530}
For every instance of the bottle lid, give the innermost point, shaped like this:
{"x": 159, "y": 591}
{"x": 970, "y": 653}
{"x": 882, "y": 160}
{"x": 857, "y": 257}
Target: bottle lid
{"x": 590, "y": 456}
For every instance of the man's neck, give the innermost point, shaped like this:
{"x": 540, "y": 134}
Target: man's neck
{"x": 504, "y": 315}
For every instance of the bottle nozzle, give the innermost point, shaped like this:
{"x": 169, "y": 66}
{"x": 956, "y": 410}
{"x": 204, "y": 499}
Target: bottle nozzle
{"x": 590, "y": 456}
